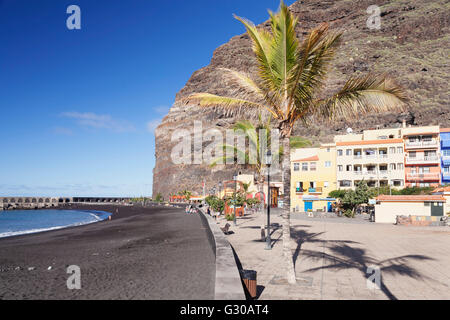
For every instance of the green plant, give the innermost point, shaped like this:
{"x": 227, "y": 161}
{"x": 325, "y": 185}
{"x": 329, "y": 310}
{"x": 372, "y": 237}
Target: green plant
{"x": 159, "y": 198}
{"x": 251, "y": 202}
{"x": 215, "y": 203}
{"x": 349, "y": 213}
{"x": 229, "y": 217}
{"x": 337, "y": 194}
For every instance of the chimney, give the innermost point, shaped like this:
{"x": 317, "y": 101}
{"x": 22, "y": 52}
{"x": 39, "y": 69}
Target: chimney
{"x": 404, "y": 123}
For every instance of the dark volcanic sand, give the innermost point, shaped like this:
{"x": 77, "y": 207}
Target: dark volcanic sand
{"x": 142, "y": 253}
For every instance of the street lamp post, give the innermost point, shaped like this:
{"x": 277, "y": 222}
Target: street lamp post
{"x": 235, "y": 197}
{"x": 268, "y": 163}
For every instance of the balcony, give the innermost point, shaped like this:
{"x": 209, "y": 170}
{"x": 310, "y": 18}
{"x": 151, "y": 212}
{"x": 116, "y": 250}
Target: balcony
{"x": 315, "y": 190}
{"x": 446, "y": 176}
{"x": 423, "y": 176}
{"x": 421, "y": 144}
{"x": 427, "y": 159}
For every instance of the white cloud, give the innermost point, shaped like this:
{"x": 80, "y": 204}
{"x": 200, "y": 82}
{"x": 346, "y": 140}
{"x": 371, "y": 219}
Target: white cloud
{"x": 99, "y": 121}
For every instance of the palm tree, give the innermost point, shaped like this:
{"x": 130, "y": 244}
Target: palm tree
{"x": 291, "y": 76}
{"x": 256, "y": 144}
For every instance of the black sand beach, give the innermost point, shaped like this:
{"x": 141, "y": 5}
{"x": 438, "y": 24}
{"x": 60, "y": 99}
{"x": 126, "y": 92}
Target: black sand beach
{"x": 142, "y": 253}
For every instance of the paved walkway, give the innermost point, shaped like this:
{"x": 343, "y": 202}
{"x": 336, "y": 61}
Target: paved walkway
{"x": 332, "y": 257}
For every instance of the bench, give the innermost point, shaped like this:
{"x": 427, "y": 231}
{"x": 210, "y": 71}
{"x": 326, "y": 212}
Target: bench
{"x": 226, "y": 228}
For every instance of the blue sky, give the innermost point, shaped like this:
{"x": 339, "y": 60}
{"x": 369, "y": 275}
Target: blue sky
{"x": 78, "y": 106}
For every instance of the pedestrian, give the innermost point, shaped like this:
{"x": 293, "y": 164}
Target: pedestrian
{"x": 208, "y": 211}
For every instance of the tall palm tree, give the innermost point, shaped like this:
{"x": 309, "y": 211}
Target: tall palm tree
{"x": 291, "y": 76}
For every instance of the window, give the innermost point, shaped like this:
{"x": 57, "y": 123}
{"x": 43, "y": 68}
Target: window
{"x": 296, "y": 166}
{"x": 392, "y": 166}
{"x": 345, "y": 183}
{"x": 328, "y": 149}
{"x": 325, "y": 184}
{"x": 427, "y": 138}
{"x": 392, "y": 150}
{"x": 313, "y": 166}
{"x": 339, "y": 153}
{"x": 348, "y": 152}
{"x": 305, "y": 166}
{"x": 340, "y": 168}
{"x": 399, "y": 166}
{"x": 299, "y": 187}
{"x": 446, "y": 153}
{"x": 399, "y": 149}
{"x": 348, "y": 167}
{"x": 327, "y": 164}
{"x": 412, "y": 154}
{"x": 382, "y": 137}
{"x": 397, "y": 183}
{"x": 424, "y": 170}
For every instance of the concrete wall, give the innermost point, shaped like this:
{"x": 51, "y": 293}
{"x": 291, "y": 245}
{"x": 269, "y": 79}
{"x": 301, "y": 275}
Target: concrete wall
{"x": 386, "y": 212}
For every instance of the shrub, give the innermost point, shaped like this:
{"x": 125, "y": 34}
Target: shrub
{"x": 349, "y": 213}
{"x": 229, "y": 217}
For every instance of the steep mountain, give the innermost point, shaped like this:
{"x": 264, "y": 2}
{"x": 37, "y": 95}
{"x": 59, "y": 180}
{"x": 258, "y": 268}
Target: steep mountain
{"x": 411, "y": 46}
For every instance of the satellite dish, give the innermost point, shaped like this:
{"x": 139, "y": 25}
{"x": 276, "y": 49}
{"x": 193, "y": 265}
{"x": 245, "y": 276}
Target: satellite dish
{"x": 349, "y": 130}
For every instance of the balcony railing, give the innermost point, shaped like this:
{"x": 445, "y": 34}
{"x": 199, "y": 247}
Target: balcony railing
{"x": 427, "y": 159}
{"x": 422, "y": 176}
{"x": 315, "y": 190}
{"x": 418, "y": 144}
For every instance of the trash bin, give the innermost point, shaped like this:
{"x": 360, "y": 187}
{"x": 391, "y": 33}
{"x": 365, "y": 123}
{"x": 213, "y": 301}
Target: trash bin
{"x": 249, "y": 279}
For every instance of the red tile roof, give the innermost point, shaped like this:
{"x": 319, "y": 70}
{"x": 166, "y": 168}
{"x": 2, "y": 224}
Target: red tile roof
{"x": 313, "y": 158}
{"x": 442, "y": 189}
{"x": 411, "y": 198}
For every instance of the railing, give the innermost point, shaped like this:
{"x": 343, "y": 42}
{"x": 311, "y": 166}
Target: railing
{"x": 357, "y": 156}
{"x": 429, "y": 159}
{"x": 383, "y": 156}
{"x": 315, "y": 190}
{"x": 423, "y": 176}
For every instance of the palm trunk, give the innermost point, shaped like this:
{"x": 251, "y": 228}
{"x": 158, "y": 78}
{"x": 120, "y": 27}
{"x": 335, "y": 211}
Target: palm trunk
{"x": 286, "y": 170}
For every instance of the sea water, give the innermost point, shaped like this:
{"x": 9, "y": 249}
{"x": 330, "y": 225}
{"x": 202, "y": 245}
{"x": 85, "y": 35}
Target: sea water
{"x": 17, "y": 222}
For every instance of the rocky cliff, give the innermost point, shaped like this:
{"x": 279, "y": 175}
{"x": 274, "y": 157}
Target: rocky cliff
{"x": 411, "y": 46}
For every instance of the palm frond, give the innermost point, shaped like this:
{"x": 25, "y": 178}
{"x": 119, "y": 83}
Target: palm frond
{"x": 243, "y": 81}
{"x": 261, "y": 40}
{"x": 364, "y": 95}
{"x": 284, "y": 49}
{"x": 212, "y": 100}
{"x": 315, "y": 55}
{"x": 299, "y": 142}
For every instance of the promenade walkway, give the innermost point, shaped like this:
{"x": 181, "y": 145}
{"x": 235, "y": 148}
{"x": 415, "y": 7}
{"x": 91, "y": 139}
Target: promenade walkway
{"x": 332, "y": 257}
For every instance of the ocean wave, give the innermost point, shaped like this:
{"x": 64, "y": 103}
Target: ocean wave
{"x": 30, "y": 231}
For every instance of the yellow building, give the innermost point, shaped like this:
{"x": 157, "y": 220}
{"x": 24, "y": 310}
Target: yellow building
{"x": 313, "y": 177}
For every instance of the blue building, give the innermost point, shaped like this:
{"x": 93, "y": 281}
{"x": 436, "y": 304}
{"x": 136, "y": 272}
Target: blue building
{"x": 445, "y": 155}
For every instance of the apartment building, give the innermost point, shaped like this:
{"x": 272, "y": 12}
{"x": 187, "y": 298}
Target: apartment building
{"x": 422, "y": 160}
{"x": 313, "y": 177}
{"x": 445, "y": 155}
{"x": 375, "y": 156}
